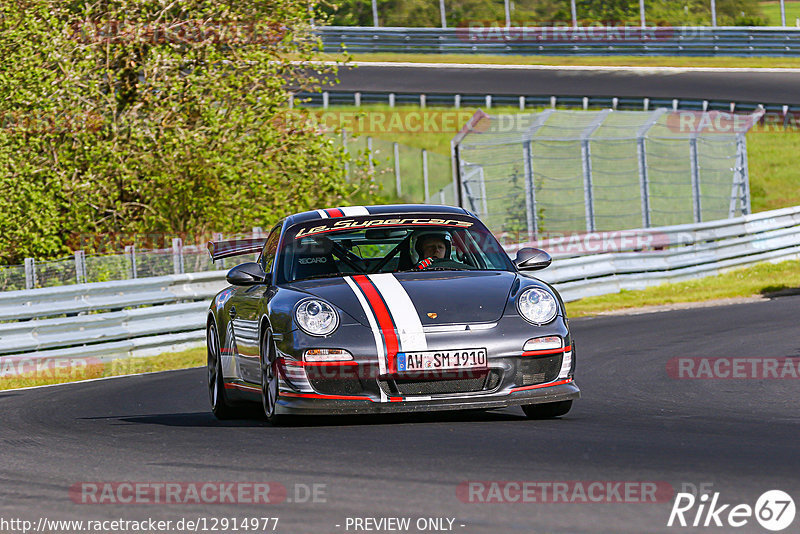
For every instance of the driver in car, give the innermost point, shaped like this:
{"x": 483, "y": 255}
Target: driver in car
{"x": 434, "y": 251}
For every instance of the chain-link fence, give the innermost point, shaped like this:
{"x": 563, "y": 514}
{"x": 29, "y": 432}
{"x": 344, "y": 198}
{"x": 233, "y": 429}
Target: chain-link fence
{"x": 586, "y": 171}
{"x": 130, "y": 264}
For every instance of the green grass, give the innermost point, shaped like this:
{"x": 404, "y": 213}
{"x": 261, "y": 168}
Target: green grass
{"x": 59, "y": 375}
{"x": 614, "y": 61}
{"x": 762, "y": 279}
{"x": 772, "y": 11}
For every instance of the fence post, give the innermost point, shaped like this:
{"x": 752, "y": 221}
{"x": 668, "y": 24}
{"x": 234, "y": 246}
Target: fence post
{"x": 130, "y": 258}
{"x": 80, "y": 267}
{"x": 530, "y": 191}
{"x": 641, "y": 150}
{"x": 369, "y": 155}
{"x": 177, "y": 255}
{"x": 30, "y": 273}
{"x": 741, "y": 148}
{"x": 696, "y": 208}
{"x": 347, "y": 155}
{"x": 425, "y": 174}
{"x": 586, "y": 160}
{"x": 398, "y": 184}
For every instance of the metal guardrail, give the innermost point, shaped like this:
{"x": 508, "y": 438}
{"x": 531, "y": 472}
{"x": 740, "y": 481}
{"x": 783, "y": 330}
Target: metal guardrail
{"x": 326, "y": 99}
{"x": 669, "y": 254}
{"x": 678, "y": 41}
{"x": 93, "y": 321}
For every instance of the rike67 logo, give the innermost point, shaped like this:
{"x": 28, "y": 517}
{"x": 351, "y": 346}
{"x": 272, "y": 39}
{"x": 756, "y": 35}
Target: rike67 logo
{"x": 774, "y": 510}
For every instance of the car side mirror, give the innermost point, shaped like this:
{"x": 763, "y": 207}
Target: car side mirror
{"x": 246, "y": 274}
{"x": 532, "y": 259}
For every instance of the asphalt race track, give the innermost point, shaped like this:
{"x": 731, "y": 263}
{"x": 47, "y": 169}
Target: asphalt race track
{"x": 634, "y": 423}
{"x": 766, "y": 87}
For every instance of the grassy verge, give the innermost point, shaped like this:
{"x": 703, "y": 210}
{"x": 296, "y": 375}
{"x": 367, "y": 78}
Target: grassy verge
{"x": 763, "y": 279}
{"x": 611, "y": 61}
{"x": 76, "y": 370}
{"x": 772, "y": 10}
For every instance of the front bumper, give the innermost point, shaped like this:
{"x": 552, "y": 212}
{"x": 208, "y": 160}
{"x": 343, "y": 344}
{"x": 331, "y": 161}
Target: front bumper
{"x": 313, "y": 404}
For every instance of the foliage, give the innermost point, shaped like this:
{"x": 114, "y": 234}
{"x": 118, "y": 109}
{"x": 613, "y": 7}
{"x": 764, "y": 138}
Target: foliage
{"x": 425, "y": 13}
{"x": 130, "y": 117}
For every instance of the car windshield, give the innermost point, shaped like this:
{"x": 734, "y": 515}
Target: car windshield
{"x": 386, "y": 244}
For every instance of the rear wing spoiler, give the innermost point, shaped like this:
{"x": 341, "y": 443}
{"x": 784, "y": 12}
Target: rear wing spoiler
{"x": 235, "y": 247}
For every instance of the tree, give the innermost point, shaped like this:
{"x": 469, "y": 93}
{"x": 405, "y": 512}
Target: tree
{"x": 130, "y": 117}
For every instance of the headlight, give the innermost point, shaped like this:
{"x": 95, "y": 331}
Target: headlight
{"x": 316, "y": 317}
{"x": 537, "y": 305}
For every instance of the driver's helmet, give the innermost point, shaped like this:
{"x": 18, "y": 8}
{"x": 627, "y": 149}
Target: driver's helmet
{"x": 423, "y": 236}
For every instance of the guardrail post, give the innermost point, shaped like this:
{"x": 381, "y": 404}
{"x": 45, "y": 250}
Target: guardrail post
{"x": 357, "y": 99}
{"x": 614, "y": 103}
{"x": 177, "y": 255}
{"x": 422, "y": 100}
{"x": 585, "y": 102}
{"x": 530, "y": 191}
{"x": 646, "y": 104}
{"x": 425, "y": 174}
{"x": 696, "y": 208}
{"x": 130, "y": 259}
{"x": 291, "y": 100}
{"x": 522, "y": 103}
{"x": 553, "y": 102}
{"x": 30, "y": 273}
{"x": 488, "y": 101}
{"x": 397, "y": 182}
{"x": 456, "y": 101}
{"x": 391, "y": 100}
{"x": 325, "y": 99}
{"x": 80, "y": 267}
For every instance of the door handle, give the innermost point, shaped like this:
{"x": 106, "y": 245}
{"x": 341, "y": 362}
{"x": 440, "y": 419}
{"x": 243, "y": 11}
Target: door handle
{"x": 232, "y": 312}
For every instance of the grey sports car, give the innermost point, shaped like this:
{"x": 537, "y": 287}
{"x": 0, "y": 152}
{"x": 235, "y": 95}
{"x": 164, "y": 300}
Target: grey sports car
{"x": 385, "y": 309}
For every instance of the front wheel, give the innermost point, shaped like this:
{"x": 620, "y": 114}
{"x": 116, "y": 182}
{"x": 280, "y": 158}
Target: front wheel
{"x": 220, "y": 405}
{"x": 547, "y": 410}
{"x": 269, "y": 379}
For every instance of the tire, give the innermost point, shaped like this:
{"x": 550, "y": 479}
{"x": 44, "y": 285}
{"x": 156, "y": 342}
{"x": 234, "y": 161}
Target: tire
{"x": 547, "y": 410}
{"x": 220, "y": 406}
{"x": 269, "y": 379}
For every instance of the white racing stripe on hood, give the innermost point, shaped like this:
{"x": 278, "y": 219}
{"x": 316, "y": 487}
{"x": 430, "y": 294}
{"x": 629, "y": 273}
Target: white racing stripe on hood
{"x": 354, "y": 211}
{"x": 373, "y": 325}
{"x": 409, "y": 327}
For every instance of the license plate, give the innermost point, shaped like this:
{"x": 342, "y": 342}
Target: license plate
{"x": 441, "y": 359}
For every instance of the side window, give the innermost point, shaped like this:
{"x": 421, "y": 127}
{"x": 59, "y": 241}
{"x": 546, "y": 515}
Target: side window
{"x": 270, "y": 249}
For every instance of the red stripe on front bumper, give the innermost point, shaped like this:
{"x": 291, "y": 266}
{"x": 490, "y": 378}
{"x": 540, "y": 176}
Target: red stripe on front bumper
{"x": 318, "y": 396}
{"x": 542, "y": 352}
{"x": 537, "y": 386}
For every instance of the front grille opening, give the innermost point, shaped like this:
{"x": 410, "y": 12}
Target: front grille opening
{"x": 442, "y": 384}
{"x": 322, "y": 382}
{"x": 532, "y": 370}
